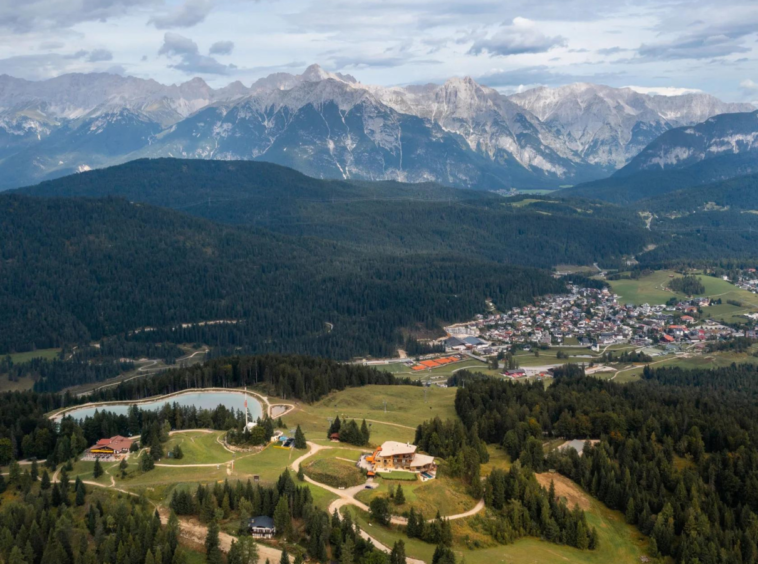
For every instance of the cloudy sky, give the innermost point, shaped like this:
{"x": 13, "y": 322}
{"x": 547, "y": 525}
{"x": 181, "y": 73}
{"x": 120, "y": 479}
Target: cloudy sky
{"x": 663, "y": 45}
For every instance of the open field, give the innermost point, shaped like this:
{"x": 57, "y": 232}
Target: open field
{"x": 619, "y": 543}
{"x": 334, "y": 472}
{"x": 198, "y": 447}
{"x": 652, "y": 290}
{"x": 22, "y": 384}
{"x": 20, "y": 358}
{"x": 435, "y": 374}
{"x": 443, "y": 494}
{"x": 398, "y": 476}
{"x": 406, "y": 408}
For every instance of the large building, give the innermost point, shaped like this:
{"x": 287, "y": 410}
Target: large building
{"x": 114, "y": 446}
{"x": 393, "y": 455}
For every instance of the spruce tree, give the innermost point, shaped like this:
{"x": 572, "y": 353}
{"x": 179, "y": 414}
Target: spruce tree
{"x": 348, "y": 550}
{"x": 45, "y": 482}
{"x": 397, "y": 556}
{"x": 212, "y": 550}
{"x": 34, "y": 471}
{"x": 98, "y": 470}
{"x": 300, "y": 442}
{"x": 399, "y": 495}
{"x": 365, "y": 433}
{"x": 282, "y": 517}
{"x": 80, "y": 491}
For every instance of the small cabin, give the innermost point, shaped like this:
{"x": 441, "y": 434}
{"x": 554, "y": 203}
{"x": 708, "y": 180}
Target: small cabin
{"x": 262, "y": 527}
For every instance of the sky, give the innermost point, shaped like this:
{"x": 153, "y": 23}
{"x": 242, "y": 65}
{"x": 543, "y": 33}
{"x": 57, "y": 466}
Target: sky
{"x": 665, "y": 46}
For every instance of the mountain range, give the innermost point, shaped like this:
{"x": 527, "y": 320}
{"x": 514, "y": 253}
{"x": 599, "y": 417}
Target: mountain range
{"x": 722, "y": 147}
{"x": 329, "y": 125}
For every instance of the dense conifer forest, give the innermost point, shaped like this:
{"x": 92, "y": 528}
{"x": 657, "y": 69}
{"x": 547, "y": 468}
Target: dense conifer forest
{"x": 677, "y": 452}
{"x": 87, "y": 270}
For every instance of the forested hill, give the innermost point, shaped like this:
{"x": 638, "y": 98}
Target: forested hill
{"x": 739, "y": 193}
{"x": 389, "y": 217}
{"x": 622, "y": 189}
{"x": 73, "y": 270}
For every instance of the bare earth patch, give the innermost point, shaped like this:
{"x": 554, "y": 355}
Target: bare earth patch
{"x": 565, "y": 488}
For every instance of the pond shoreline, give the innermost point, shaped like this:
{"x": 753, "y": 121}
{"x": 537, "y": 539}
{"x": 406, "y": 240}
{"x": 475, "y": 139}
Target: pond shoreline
{"x": 261, "y": 400}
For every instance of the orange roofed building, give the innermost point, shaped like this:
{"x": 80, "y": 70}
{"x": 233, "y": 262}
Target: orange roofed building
{"x": 113, "y": 446}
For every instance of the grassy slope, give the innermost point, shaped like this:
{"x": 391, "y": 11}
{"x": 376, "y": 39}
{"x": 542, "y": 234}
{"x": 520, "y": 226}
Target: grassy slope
{"x": 405, "y": 406}
{"x": 20, "y": 358}
{"x": 619, "y": 542}
{"x": 651, "y": 289}
{"x": 198, "y": 448}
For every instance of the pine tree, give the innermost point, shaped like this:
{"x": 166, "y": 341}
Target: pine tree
{"x": 348, "y": 549}
{"x": 397, "y": 556}
{"x": 631, "y": 514}
{"x": 411, "y": 528}
{"x": 282, "y": 517}
{"x": 399, "y": 495}
{"x": 365, "y": 433}
{"x": 300, "y": 473}
{"x": 582, "y": 541}
{"x": 98, "y": 470}
{"x": 123, "y": 465}
{"x": 34, "y": 471}
{"x": 300, "y": 442}
{"x": 45, "y": 482}
{"x": 16, "y": 556}
{"x": 212, "y": 550}
{"x": 80, "y": 492}
{"x": 285, "y": 557}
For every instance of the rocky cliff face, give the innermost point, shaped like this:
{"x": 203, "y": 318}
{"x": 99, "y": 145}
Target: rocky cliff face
{"x": 609, "y": 126}
{"x": 331, "y": 126}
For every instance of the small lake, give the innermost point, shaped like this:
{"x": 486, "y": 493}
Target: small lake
{"x": 200, "y": 400}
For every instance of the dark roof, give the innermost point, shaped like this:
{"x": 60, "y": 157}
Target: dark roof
{"x": 262, "y": 521}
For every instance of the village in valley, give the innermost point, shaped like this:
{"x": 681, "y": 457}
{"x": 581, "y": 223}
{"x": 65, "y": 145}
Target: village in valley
{"x": 595, "y": 327}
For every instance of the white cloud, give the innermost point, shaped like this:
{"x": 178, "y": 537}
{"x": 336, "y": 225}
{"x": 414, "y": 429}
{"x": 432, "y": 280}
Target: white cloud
{"x": 663, "y": 90}
{"x": 749, "y": 85}
{"x": 189, "y": 14}
{"x": 517, "y": 38}
{"x": 98, "y": 55}
{"x": 221, "y": 48}
{"x": 190, "y": 61}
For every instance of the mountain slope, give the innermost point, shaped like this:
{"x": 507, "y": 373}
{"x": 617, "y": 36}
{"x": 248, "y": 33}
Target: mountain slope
{"x": 329, "y": 125}
{"x": 722, "y": 147}
{"x": 719, "y": 136}
{"x": 609, "y": 126}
